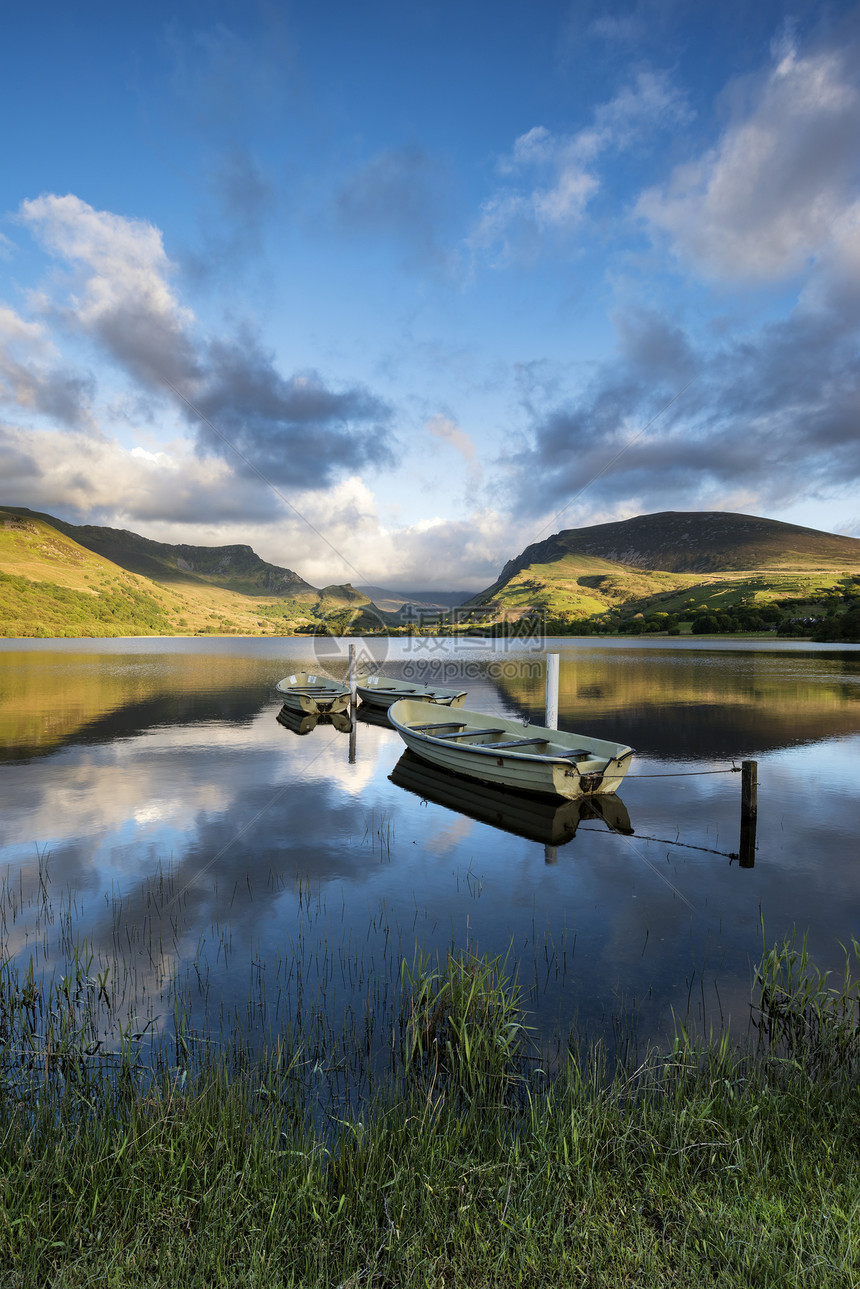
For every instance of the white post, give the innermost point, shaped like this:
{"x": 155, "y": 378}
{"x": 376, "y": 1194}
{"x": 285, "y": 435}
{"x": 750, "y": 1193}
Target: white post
{"x": 353, "y": 679}
{"x": 551, "y": 719}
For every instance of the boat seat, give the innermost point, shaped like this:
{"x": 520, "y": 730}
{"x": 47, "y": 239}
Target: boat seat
{"x": 312, "y": 689}
{"x": 471, "y": 733}
{"x": 440, "y": 725}
{"x": 520, "y": 742}
{"x": 576, "y": 751}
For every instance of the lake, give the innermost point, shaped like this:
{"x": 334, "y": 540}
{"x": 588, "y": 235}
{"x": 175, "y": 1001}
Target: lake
{"x": 158, "y": 821}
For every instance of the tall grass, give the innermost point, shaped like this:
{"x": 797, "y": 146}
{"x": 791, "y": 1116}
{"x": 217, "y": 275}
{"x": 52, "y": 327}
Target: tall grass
{"x": 702, "y": 1165}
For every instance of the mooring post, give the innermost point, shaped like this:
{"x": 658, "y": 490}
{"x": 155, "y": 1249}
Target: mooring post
{"x": 551, "y": 718}
{"x": 749, "y": 813}
{"x": 353, "y": 726}
{"x": 353, "y": 678}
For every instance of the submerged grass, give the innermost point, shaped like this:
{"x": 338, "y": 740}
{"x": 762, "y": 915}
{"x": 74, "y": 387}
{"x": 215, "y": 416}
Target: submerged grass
{"x": 706, "y": 1165}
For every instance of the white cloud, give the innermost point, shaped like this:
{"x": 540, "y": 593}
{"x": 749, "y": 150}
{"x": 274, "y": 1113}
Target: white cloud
{"x": 562, "y": 169}
{"x": 126, "y": 256}
{"x": 32, "y": 377}
{"x": 58, "y": 470}
{"x": 122, "y": 297}
{"x": 780, "y": 187}
{"x": 285, "y": 431}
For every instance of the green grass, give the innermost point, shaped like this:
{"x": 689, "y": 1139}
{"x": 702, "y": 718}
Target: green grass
{"x": 701, "y": 1166}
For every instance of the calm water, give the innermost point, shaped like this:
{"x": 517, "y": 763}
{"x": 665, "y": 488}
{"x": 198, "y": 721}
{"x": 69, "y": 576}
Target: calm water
{"x": 155, "y": 815}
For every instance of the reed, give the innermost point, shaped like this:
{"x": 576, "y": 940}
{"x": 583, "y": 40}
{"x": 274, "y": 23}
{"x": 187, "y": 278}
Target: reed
{"x": 463, "y": 1020}
{"x": 707, "y": 1164}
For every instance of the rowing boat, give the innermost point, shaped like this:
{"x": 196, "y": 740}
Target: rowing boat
{"x": 541, "y": 819}
{"x": 312, "y": 694}
{"x": 382, "y": 691}
{"x": 527, "y": 758}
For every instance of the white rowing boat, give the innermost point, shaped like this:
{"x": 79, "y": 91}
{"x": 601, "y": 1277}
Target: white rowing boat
{"x": 312, "y": 694}
{"x": 382, "y": 691}
{"x": 527, "y": 758}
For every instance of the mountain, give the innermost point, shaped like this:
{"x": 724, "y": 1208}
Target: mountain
{"x": 421, "y": 601}
{"x": 676, "y": 558}
{"x": 64, "y": 579}
{"x": 237, "y": 568}
{"x": 655, "y": 572}
{"x": 691, "y": 542}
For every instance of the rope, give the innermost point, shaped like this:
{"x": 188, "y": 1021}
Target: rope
{"x": 681, "y": 774}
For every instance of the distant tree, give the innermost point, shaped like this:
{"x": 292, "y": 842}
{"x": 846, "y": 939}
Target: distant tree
{"x": 706, "y": 624}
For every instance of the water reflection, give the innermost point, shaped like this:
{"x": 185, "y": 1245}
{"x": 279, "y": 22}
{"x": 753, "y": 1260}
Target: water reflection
{"x": 156, "y": 789}
{"x": 550, "y": 822}
{"x": 304, "y": 722}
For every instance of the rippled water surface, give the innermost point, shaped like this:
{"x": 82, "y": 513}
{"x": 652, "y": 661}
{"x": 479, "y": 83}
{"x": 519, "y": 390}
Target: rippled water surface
{"x": 157, "y": 817}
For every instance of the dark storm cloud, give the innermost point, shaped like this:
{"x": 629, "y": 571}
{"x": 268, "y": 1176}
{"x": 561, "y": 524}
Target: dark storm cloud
{"x": 297, "y": 431}
{"x": 772, "y": 416}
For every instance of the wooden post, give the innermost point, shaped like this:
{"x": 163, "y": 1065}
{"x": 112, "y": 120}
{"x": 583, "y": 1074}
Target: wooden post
{"x": 352, "y": 728}
{"x": 551, "y": 718}
{"x": 749, "y": 812}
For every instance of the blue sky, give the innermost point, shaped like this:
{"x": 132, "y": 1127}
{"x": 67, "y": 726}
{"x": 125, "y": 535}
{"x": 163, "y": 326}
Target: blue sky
{"x": 390, "y": 291}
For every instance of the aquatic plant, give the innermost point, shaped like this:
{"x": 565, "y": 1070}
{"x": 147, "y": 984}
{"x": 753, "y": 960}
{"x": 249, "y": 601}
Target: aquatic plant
{"x": 802, "y": 1015}
{"x": 463, "y": 1019}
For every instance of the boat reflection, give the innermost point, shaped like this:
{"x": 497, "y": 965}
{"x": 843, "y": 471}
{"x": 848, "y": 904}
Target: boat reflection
{"x": 304, "y": 722}
{"x": 540, "y": 819}
{"x": 373, "y": 716}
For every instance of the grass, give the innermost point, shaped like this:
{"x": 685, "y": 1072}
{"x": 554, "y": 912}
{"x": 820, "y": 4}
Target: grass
{"x": 705, "y": 1165}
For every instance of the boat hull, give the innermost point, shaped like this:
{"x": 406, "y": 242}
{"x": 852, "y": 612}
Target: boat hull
{"x": 379, "y": 692}
{"x": 601, "y": 768}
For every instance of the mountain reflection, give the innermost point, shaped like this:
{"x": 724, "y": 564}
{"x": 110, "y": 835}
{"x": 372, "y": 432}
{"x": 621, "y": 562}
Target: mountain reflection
{"x": 677, "y": 703}
{"x": 181, "y": 822}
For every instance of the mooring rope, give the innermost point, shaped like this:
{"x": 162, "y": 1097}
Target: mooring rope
{"x": 681, "y": 774}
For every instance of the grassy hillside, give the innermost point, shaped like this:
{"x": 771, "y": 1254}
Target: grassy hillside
{"x": 664, "y": 571}
{"x": 52, "y": 584}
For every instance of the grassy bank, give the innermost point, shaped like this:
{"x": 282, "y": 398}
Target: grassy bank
{"x": 702, "y": 1166}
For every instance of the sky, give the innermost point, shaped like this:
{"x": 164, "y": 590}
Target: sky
{"x": 390, "y": 291}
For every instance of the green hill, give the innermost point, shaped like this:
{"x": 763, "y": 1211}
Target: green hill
{"x": 60, "y": 579}
{"x": 681, "y": 566}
